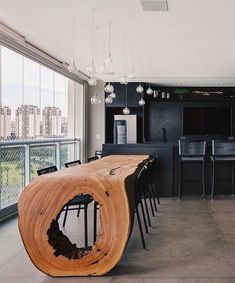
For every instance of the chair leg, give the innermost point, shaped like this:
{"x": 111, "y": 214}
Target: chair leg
{"x": 85, "y": 225}
{"x": 140, "y": 228}
{"x": 144, "y": 217}
{"x": 79, "y": 207}
{"x": 147, "y": 211}
{"x": 203, "y": 180}
{"x": 153, "y": 197}
{"x": 180, "y": 180}
{"x": 65, "y": 215}
{"x": 232, "y": 178}
{"x": 213, "y": 180}
{"x": 150, "y": 197}
{"x": 95, "y": 222}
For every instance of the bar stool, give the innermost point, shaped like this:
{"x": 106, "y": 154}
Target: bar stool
{"x": 222, "y": 151}
{"x": 192, "y": 151}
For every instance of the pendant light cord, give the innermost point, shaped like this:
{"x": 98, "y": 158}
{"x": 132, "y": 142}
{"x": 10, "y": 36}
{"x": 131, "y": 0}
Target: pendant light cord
{"x": 73, "y": 40}
{"x": 126, "y": 95}
{"x": 92, "y": 36}
{"x": 124, "y": 47}
{"x": 110, "y": 26}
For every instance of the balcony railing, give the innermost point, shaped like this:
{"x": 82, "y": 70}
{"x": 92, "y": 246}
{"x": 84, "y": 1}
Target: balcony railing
{"x": 20, "y": 160}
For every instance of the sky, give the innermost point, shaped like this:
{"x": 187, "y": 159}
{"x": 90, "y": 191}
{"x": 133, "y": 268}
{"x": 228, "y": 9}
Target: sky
{"x": 18, "y": 89}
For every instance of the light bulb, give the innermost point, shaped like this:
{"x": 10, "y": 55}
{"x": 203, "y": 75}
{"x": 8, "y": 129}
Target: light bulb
{"x": 109, "y": 61}
{"x": 92, "y": 82}
{"x": 92, "y": 69}
{"x": 149, "y": 91}
{"x": 112, "y": 95}
{"x": 108, "y": 99}
{"x": 72, "y": 68}
{"x": 126, "y": 111}
{"x": 139, "y": 89}
{"x": 124, "y": 80}
{"x": 109, "y": 88}
{"x": 95, "y": 100}
{"x": 141, "y": 102}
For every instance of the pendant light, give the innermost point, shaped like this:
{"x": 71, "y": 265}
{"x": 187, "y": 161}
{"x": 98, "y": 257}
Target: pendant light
{"x": 149, "y": 91}
{"x": 124, "y": 80}
{"x": 92, "y": 68}
{"x": 95, "y": 99}
{"x": 92, "y": 82}
{"x": 72, "y": 68}
{"x": 109, "y": 88}
{"x": 109, "y": 60}
{"x": 126, "y": 110}
{"x": 139, "y": 88}
{"x": 113, "y": 95}
{"x": 108, "y": 100}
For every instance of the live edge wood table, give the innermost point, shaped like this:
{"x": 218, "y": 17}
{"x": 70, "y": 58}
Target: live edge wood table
{"x": 110, "y": 181}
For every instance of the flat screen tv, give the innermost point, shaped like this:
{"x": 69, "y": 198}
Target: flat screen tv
{"x": 207, "y": 121}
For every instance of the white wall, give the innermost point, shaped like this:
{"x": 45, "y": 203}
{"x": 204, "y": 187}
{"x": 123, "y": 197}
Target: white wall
{"x": 96, "y": 120}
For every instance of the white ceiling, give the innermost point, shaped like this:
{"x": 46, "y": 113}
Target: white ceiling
{"x": 191, "y": 44}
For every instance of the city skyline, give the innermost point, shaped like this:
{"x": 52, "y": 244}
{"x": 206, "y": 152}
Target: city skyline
{"x": 32, "y": 122}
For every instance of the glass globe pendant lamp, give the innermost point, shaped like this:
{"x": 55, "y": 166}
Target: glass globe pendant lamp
{"x": 139, "y": 89}
{"x": 141, "y": 102}
{"x": 95, "y": 100}
{"x": 126, "y": 110}
{"x": 149, "y": 91}
{"x": 92, "y": 82}
{"x": 108, "y": 100}
{"x": 109, "y": 88}
{"x": 72, "y": 68}
{"x": 112, "y": 95}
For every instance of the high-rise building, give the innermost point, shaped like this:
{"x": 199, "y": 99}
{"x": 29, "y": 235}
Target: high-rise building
{"x": 51, "y": 121}
{"x": 5, "y": 120}
{"x": 27, "y": 122}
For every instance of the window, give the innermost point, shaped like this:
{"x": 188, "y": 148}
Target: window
{"x": 38, "y": 127}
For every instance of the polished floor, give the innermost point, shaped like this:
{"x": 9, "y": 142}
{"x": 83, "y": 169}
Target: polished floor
{"x": 190, "y": 241}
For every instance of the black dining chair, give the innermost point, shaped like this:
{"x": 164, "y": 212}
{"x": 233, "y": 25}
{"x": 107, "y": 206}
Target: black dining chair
{"x": 139, "y": 202}
{"x": 192, "y": 151}
{"x": 47, "y": 170}
{"x": 93, "y": 158}
{"x": 222, "y": 151}
{"x": 81, "y": 202}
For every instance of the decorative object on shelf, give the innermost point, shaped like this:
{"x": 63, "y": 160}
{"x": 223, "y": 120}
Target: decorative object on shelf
{"x": 124, "y": 80}
{"x": 168, "y": 95}
{"x": 155, "y": 93}
{"x": 139, "y": 88}
{"x": 92, "y": 82}
{"x": 72, "y": 68}
{"x": 149, "y": 91}
{"x": 126, "y": 110}
{"x": 92, "y": 68}
{"x": 108, "y": 100}
{"x": 181, "y": 91}
{"x": 163, "y": 95}
{"x": 95, "y": 100}
{"x": 206, "y": 93}
{"x": 109, "y": 60}
{"x": 132, "y": 73}
{"x": 109, "y": 88}
{"x": 141, "y": 102}
{"x": 112, "y": 95}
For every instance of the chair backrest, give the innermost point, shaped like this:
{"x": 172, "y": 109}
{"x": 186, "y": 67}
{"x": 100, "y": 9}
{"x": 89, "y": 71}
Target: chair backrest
{"x": 192, "y": 148}
{"x": 223, "y": 148}
{"x": 93, "y": 158}
{"x": 46, "y": 170}
{"x": 72, "y": 163}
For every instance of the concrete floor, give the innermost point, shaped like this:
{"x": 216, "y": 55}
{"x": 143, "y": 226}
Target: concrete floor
{"x": 190, "y": 241}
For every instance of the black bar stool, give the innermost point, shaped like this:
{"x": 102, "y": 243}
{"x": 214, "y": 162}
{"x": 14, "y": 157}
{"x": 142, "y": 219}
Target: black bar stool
{"x": 192, "y": 151}
{"x": 222, "y": 151}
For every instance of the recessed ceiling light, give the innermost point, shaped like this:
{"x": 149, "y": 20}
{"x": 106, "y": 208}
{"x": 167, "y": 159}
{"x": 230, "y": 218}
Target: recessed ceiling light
{"x": 154, "y": 5}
